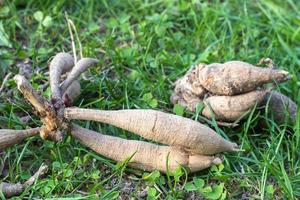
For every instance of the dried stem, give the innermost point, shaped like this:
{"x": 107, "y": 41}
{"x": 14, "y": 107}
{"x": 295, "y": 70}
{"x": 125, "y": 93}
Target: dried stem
{"x": 43, "y": 108}
{"x": 4, "y": 81}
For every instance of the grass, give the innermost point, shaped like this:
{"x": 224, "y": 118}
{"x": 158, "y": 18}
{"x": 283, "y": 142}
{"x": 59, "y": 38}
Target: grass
{"x": 143, "y": 46}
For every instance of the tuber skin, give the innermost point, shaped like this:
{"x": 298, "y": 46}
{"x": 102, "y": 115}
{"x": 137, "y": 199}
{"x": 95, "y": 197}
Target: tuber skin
{"x": 146, "y": 156}
{"x": 236, "y": 77}
{"x": 72, "y": 93}
{"x": 165, "y": 128}
{"x": 281, "y": 107}
{"x": 231, "y": 108}
{"x": 60, "y": 64}
{"x": 10, "y": 137}
{"x": 10, "y": 189}
{"x": 82, "y": 65}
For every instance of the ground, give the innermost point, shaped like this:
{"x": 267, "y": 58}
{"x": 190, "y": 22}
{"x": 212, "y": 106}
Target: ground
{"x": 143, "y": 46}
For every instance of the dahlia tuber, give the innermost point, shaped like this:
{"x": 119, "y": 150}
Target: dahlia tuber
{"x": 10, "y": 137}
{"x": 145, "y": 155}
{"x": 236, "y": 77}
{"x": 71, "y": 93}
{"x": 280, "y": 107}
{"x": 82, "y": 65}
{"x": 231, "y": 108}
{"x": 165, "y": 128}
{"x": 61, "y": 63}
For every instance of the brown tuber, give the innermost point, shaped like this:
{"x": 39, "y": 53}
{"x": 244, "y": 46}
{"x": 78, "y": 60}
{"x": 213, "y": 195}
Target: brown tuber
{"x": 236, "y": 77}
{"x": 10, "y": 137}
{"x": 162, "y": 127}
{"x": 280, "y": 107}
{"x": 71, "y": 93}
{"x": 231, "y": 108}
{"x": 227, "y": 91}
{"x": 187, "y": 142}
{"x": 144, "y": 155}
{"x": 82, "y": 65}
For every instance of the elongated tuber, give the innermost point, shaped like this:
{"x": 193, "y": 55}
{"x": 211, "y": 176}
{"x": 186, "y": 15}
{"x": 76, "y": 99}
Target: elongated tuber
{"x": 236, "y": 77}
{"x": 145, "y": 155}
{"x": 10, "y": 189}
{"x": 61, "y": 63}
{"x": 161, "y": 127}
{"x": 10, "y": 137}
{"x": 231, "y": 108}
{"x": 280, "y": 107}
{"x": 82, "y": 65}
{"x": 71, "y": 93}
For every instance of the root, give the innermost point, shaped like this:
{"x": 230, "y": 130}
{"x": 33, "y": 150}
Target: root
{"x": 10, "y": 137}
{"x": 10, "y": 190}
{"x": 144, "y": 155}
{"x": 81, "y": 66}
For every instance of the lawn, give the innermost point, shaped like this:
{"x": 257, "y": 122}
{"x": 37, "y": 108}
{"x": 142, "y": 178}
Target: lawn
{"x": 143, "y": 47}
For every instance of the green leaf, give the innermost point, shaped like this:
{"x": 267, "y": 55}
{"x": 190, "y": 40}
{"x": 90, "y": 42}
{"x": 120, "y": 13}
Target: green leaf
{"x": 56, "y": 166}
{"x": 207, "y": 189}
{"x": 199, "y": 183}
{"x": 4, "y": 11}
{"x": 178, "y": 109}
{"x": 152, "y": 192}
{"x": 190, "y": 187}
{"x": 68, "y": 172}
{"x": 177, "y": 173}
{"x": 4, "y": 41}
{"x": 47, "y": 22}
{"x": 147, "y": 97}
{"x": 38, "y": 16}
{"x": 153, "y": 103}
{"x": 95, "y": 174}
{"x": 215, "y": 193}
{"x": 134, "y": 74}
{"x": 152, "y": 177}
{"x": 270, "y": 190}
{"x": 111, "y": 195}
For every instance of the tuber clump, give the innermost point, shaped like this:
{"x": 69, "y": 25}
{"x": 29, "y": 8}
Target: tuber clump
{"x": 227, "y": 91}
{"x": 162, "y": 127}
{"x": 145, "y": 156}
{"x": 184, "y": 142}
